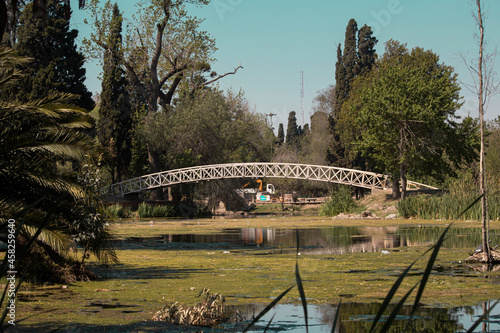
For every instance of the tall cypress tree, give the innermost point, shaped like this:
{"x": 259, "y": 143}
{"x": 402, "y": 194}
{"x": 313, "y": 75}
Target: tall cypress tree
{"x": 114, "y": 113}
{"x": 350, "y": 57}
{"x": 57, "y": 66}
{"x": 345, "y": 71}
{"x": 357, "y": 59}
{"x": 292, "y": 130}
{"x": 340, "y": 88}
{"x": 281, "y": 134}
{"x": 366, "y": 51}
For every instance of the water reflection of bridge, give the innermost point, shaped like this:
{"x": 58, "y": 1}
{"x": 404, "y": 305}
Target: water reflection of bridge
{"x": 320, "y": 242}
{"x": 331, "y": 240}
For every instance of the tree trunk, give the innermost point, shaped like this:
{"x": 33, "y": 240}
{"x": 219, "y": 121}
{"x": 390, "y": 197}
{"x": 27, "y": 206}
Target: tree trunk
{"x": 396, "y": 194}
{"x": 153, "y": 158}
{"x": 402, "y": 171}
{"x": 482, "y": 176}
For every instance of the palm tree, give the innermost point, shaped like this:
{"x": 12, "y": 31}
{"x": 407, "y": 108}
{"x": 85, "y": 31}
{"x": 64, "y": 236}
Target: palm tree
{"x": 35, "y": 138}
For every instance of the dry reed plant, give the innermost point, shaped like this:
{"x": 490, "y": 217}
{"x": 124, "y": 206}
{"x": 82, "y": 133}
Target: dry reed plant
{"x": 209, "y": 312}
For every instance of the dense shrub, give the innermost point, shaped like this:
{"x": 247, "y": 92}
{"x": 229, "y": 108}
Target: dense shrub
{"x": 341, "y": 201}
{"x": 118, "y": 211}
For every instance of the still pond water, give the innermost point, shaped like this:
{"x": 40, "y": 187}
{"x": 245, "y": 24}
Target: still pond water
{"x": 321, "y": 241}
{"x": 337, "y": 240}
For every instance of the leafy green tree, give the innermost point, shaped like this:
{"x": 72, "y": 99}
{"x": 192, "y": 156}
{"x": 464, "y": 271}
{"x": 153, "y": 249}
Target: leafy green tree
{"x": 316, "y": 151}
{"x": 114, "y": 124}
{"x": 281, "y": 134}
{"x": 211, "y": 128}
{"x": 57, "y": 66}
{"x": 178, "y": 52}
{"x": 405, "y": 111}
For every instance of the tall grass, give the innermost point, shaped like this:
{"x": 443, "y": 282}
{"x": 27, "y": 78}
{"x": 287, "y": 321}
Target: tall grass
{"x": 149, "y": 210}
{"x": 341, "y": 201}
{"x": 449, "y": 205}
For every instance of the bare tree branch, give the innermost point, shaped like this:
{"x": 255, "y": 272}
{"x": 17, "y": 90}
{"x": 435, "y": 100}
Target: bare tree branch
{"x": 215, "y": 79}
{"x": 167, "y": 98}
{"x": 156, "y": 55}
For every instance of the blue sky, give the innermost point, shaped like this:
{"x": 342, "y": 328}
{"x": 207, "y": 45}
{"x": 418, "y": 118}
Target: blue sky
{"x": 274, "y": 40}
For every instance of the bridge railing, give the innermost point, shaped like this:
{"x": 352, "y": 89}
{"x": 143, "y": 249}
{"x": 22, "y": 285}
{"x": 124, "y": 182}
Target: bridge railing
{"x": 330, "y": 174}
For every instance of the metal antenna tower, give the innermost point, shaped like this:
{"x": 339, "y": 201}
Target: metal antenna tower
{"x": 302, "y": 95}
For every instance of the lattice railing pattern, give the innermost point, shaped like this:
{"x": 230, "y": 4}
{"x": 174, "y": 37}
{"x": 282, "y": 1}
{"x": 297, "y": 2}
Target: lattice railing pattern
{"x": 352, "y": 177}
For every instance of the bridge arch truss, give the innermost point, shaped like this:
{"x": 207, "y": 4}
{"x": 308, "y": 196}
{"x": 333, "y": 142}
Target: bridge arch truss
{"x": 194, "y": 174}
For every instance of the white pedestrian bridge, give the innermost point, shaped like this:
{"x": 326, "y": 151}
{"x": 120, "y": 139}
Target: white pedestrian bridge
{"x": 357, "y": 178}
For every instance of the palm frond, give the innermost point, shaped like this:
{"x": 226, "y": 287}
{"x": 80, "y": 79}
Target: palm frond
{"x": 63, "y": 151}
{"x": 56, "y": 240}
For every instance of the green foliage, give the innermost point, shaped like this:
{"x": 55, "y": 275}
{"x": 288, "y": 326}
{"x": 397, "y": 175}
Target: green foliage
{"x": 341, "y": 91}
{"x": 316, "y": 150}
{"x": 181, "y": 67}
{"x": 165, "y": 53}
{"x": 366, "y": 51}
{"x": 56, "y": 66}
{"x": 341, "y": 201}
{"x": 37, "y": 134}
{"x": 350, "y": 56}
{"x": 292, "y": 130}
{"x": 139, "y": 151}
{"x": 117, "y": 211}
{"x": 357, "y": 59}
{"x": 217, "y": 128}
{"x": 150, "y": 210}
{"x": 404, "y": 115}
{"x": 492, "y": 150}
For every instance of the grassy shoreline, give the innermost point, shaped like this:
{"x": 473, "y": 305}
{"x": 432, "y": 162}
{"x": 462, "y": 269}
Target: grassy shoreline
{"x": 148, "y": 278}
